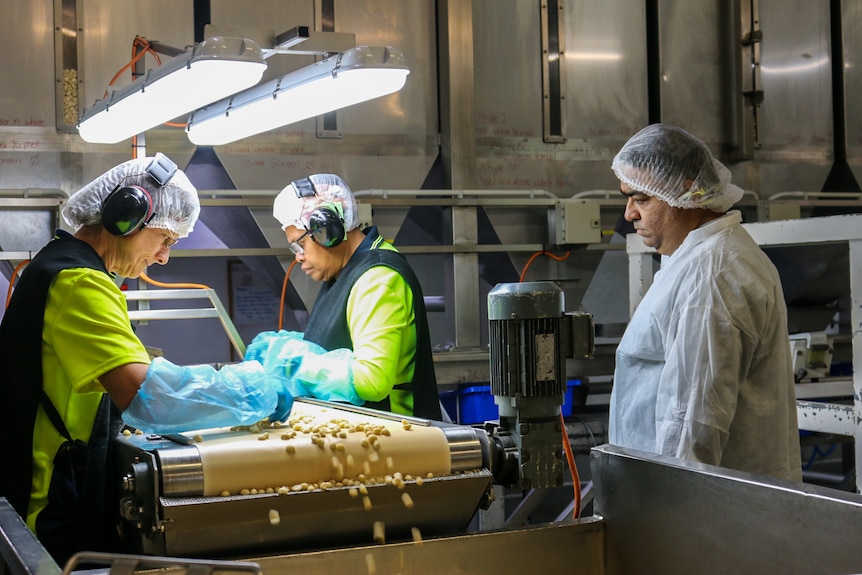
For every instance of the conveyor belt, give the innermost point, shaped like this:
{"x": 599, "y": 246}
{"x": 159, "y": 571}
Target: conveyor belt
{"x": 322, "y": 479}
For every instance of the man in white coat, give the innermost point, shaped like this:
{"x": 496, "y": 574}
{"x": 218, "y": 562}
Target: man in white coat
{"x": 703, "y": 371}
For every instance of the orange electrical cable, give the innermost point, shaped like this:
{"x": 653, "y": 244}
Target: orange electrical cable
{"x": 283, "y": 292}
{"x": 141, "y": 42}
{"x": 573, "y": 468}
{"x": 537, "y": 254}
{"x": 12, "y": 280}
{"x": 157, "y": 283}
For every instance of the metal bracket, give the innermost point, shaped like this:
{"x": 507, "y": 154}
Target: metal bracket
{"x": 752, "y": 85}
{"x": 129, "y": 564}
{"x": 300, "y": 40}
{"x": 553, "y": 71}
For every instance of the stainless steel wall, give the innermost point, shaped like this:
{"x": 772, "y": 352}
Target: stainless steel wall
{"x": 473, "y": 112}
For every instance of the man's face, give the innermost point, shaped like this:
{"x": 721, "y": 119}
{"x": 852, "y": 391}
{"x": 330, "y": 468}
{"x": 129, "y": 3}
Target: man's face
{"x": 661, "y": 226}
{"x": 142, "y": 249}
{"x": 318, "y": 263}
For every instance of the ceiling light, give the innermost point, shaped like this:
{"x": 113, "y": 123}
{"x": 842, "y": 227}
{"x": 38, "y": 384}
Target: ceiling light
{"x": 355, "y": 75}
{"x": 205, "y": 72}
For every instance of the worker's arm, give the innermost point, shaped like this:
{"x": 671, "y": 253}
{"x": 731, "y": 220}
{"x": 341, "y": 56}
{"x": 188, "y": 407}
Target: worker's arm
{"x": 175, "y": 398}
{"x": 383, "y": 329}
{"x": 122, "y": 383}
{"x": 380, "y": 319}
{"x": 699, "y": 386}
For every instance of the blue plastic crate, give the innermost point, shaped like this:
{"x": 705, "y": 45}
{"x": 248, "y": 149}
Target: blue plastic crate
{"x": 449, "y": 401}
{"x": 476, "y": 404}
{"x": 574, "y": 396}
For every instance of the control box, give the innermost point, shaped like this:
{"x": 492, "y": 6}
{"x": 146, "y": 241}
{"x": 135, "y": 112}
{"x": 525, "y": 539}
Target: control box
{"x": 574, "y": 221}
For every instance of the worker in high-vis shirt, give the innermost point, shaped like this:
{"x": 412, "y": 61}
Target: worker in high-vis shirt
{"x": 75, "y": 371}
{"x": 367, "y": 340}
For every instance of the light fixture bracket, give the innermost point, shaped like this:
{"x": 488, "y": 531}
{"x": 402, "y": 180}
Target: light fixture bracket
{"x": 299, "y": 40}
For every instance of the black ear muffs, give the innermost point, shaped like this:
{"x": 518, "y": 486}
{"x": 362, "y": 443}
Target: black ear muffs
{"x": 126, "y": 210}
{"x": 326, "y": 227}
{"x": 325, "y": 224}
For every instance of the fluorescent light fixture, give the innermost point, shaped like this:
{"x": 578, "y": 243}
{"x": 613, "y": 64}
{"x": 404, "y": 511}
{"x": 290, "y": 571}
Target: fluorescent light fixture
{"x": 204, "y": 73}
{"x": 355, "y": 75}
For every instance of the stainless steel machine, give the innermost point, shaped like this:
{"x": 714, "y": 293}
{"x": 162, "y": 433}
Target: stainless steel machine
{"x": 654, "y": 514}
{"x": 214, "y": 493}
{"x": 310, "y": 484}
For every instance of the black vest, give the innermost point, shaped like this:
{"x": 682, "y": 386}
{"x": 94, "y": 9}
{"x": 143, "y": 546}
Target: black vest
{"x": 21, "y": 387}
{"x": 327, "y": 324}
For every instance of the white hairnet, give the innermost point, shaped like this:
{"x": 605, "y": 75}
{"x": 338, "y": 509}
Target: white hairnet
{"x": 176, "y": 205}
{"x": 669, "y": 163}
{"x": 292, "y": 210}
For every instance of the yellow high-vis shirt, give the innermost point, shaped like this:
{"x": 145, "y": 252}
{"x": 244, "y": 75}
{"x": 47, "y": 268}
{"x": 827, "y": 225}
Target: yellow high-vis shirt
{"x": 86, "y": 333}
{"x": 383, "y": 329}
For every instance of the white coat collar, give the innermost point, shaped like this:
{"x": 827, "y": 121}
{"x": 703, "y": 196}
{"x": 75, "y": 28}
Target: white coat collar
{"x": 729, "y": 220}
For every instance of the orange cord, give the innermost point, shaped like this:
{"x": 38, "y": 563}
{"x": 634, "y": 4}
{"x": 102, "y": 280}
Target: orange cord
{"x": 156, "y": 283}
{"x": 140, "y": 48}
{"x": 12, "y": 281}
{"x": 567, "y": 446}
{"x": 138, "y": 42}
{"x": 537, "y": 254}
{"x": 284, "y": 291}
{"x": 143, "y": 276}
{"x": 570, "y": 458}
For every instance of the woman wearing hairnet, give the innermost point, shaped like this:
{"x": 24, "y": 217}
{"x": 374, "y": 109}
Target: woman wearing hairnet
{"x": 703, "y": 371}
{"x": 367, "y": 339}
{"x": 67, "y": 345}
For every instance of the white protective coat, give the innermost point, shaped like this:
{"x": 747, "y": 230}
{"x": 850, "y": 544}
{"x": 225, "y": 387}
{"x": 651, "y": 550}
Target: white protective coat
{"x": 703, "y": 371}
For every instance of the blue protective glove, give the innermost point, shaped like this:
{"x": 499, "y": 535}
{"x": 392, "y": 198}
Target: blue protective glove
{"x": 174, "y": 398}
{"x": 309, "y": 369}
{"x": 262, "y": 342}
{"x": 283, "y": 404}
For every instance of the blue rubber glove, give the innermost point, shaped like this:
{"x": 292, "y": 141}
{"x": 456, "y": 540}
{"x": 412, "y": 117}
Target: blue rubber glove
{"x": 284, "y": 403}
{"x": 309, "y": 369}
{"x": 267, "y": 342}
{"x": 174, "y": 398}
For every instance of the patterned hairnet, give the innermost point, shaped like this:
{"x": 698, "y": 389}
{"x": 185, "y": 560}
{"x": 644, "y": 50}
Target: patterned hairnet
{"x": 669, "y": 163}
{"x": 175, "y": 204}
{"x": 291, "y": 210}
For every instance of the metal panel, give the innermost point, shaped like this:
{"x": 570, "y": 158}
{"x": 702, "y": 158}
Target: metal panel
{"x": 851, "y": 14}
{"x": 606, "y": 71}
{"x": 666, "y": 515}
{"x": 457, "y": 89}
{"x": 604, "y": 94}
{"x": 856, "y": 330}
{"x": 690, "y": 67}
{"x": 21, "y": 552}
{"x": 795, "y": 118}
{"x": 27, "y": 90}
{"x": 465, "y": 273}
{"x": 576, "y": 549}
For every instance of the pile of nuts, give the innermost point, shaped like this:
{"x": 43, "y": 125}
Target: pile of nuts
{"x": 346, "y": 472}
